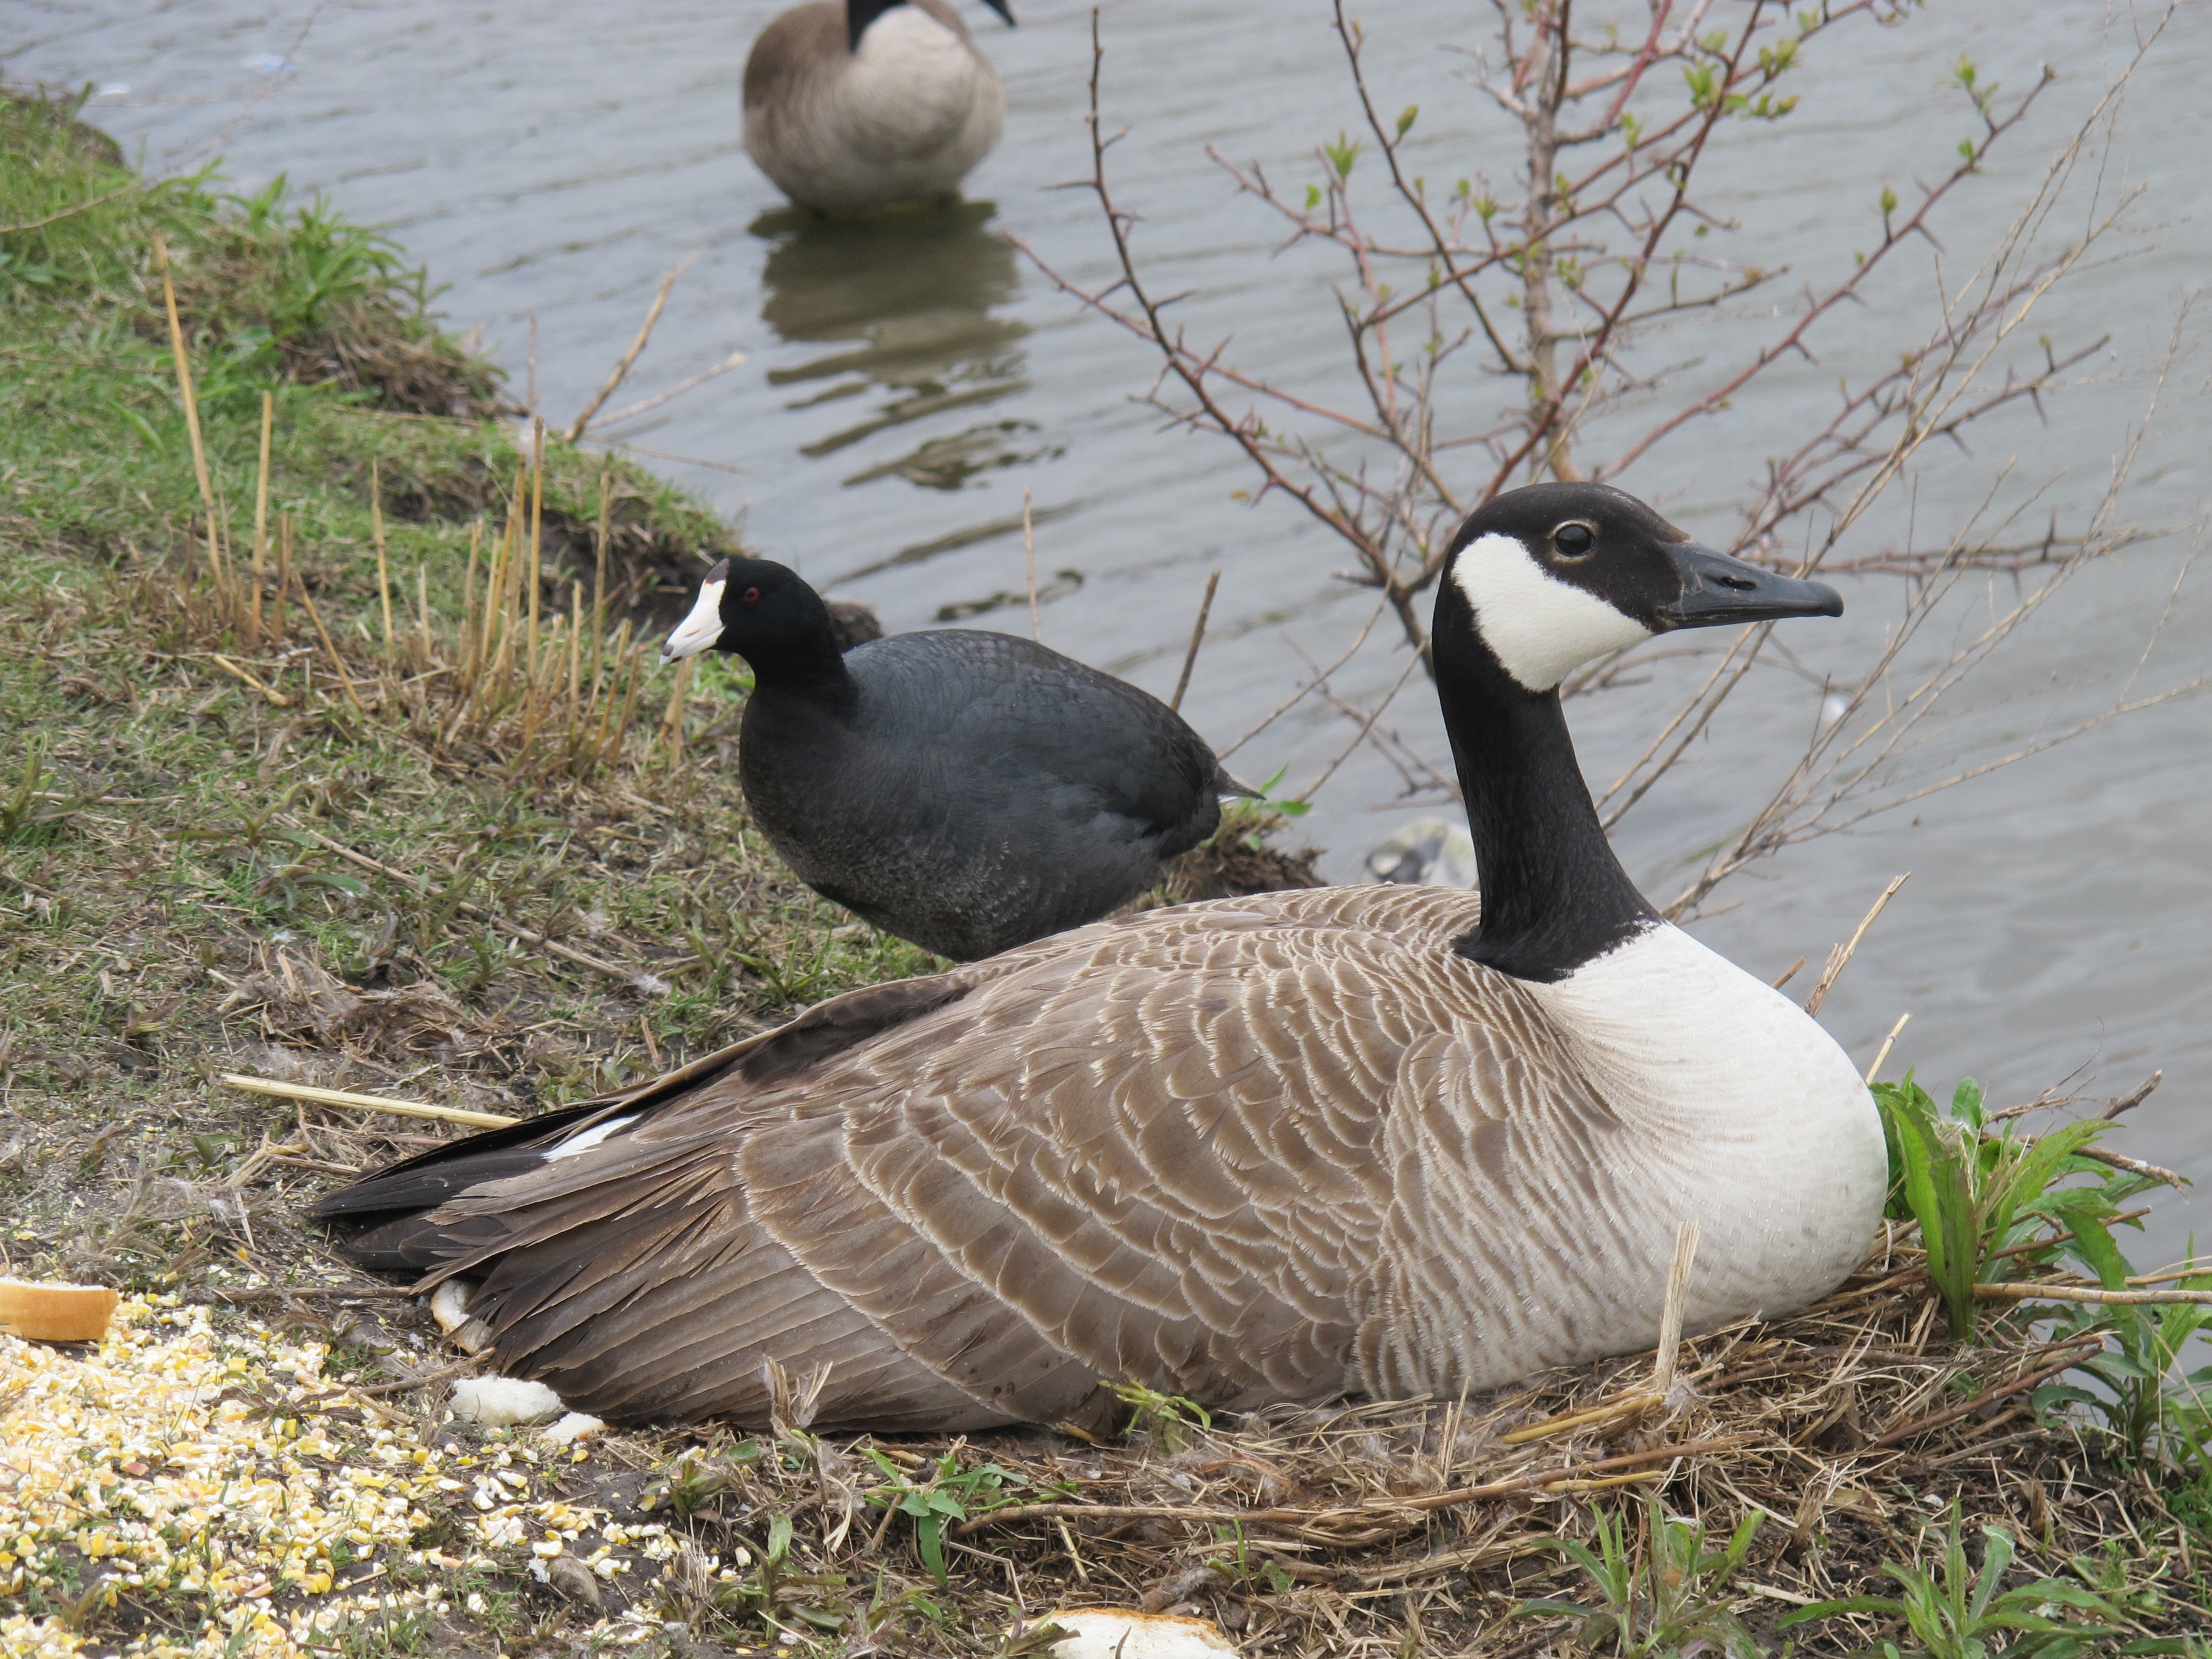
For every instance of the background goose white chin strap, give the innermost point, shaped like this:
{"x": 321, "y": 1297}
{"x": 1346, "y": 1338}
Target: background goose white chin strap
{"x": 698, "y": 631}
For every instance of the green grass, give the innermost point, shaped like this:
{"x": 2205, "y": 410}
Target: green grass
{"x": 1669, "y": 1597}
{"x": 1953, "y": 1609}
{"x": 166, "y": 909}
{"x": 276, "y": 296}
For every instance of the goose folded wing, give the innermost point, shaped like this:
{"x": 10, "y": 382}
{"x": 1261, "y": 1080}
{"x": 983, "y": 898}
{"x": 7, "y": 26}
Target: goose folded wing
{"x": 1109, "y": 1157}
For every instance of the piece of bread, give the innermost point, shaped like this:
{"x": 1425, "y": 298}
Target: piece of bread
{"x": 55, "y": 1313}
{"x": 1127, "y": 1633}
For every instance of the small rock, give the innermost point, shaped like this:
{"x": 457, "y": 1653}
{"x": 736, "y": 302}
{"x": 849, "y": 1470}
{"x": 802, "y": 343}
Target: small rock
{"x": 1426, "y": 853}
{"x": 854, "y": 623}
{"x": 1125, "y": 1633}
{"x": 573, "y": 1580}
{"x": 499, "y": 1401}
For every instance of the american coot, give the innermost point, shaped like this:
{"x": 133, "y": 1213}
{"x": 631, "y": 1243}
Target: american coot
{"x": 1388, "y": 1139}
{"x": 968, "y": 791}
{"x": 870, "y": 103}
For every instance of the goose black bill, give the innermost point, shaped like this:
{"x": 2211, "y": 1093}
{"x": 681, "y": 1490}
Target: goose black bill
{"x": 1718, "y": 590}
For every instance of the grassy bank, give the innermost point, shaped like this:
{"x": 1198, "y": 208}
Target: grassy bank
{"x": 216, "y": 737}
{"x": 374, "y": 787}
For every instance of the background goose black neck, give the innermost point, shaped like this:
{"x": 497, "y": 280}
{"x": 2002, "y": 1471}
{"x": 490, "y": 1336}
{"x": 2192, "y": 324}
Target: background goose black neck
{"x": 1553, "y": 896}
{"x": 859, "y": 14}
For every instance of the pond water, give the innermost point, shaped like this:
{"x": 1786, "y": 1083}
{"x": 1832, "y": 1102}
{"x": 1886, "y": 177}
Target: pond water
{"x": 905, "y": 384}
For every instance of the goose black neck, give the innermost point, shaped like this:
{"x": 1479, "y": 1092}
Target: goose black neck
{"x": 1553, "y": 896}
{"x": 859, "y": 14}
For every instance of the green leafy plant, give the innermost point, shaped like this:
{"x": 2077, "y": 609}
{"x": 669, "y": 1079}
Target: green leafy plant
{"x": 1165, "y": 1419}
{"x": 321, "y": 261}
{"x": 1240, "y": 1569}
{"x": 1980, "y": 1197}
{"x": 1993, "y": 1206}
{"x": 1249, "y": 817}
{"x": 1669, "y": 1598}
{"x": 2143, "y": 1414}
{"x": 771, "y": 1593}
{"x": 701, "y": 1474}
{"x": 951, "y": 1493}
{"x": 1954, "y": 1611}
{"x": 32, "y": 814}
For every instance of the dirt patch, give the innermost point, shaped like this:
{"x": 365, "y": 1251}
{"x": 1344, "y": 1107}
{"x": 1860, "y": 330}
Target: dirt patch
{"x": 653, "y": 564}
{"x": 1243, "y": 857}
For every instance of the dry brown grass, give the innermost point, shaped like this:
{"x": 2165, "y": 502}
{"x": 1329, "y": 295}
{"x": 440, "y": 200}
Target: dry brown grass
{"x": 1360, "y": 1530}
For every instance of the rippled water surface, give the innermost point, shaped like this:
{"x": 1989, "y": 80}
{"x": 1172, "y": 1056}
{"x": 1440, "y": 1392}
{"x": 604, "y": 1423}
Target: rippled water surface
{"x": 905, "y": 383}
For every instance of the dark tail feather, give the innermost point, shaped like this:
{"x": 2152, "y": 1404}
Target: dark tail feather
{"x": 413, "y": 1243}
{"x": 429, "y": 1179}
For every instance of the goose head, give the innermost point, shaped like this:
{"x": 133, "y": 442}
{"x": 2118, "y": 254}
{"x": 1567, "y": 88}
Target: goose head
{"x": 1542, "y": 580}
{"x": 1537, "y": 582}
{"x": 859, "y": 14}
{"x": 761, "y": 612}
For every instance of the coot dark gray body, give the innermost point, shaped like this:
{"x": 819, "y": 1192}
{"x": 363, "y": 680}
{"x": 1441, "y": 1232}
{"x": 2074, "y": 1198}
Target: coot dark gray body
{"x": 968, "y": 791}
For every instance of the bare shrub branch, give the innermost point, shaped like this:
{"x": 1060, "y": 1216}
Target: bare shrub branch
{"x": 1549, "y": 298}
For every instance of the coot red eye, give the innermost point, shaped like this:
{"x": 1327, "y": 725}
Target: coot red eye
{"x": 751, "y": 596}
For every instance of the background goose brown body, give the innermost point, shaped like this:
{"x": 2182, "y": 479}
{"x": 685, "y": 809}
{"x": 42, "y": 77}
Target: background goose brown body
{"x": 1247, "y": 1150}
{"x": 900, "y": 116}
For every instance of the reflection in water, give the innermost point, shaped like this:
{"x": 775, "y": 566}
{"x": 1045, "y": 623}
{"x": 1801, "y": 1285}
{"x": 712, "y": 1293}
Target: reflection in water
{"x": 909, "y": 298}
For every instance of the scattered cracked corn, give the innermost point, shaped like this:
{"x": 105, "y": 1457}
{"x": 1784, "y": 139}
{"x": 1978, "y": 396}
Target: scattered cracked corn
{"x": 205, "y": 1471}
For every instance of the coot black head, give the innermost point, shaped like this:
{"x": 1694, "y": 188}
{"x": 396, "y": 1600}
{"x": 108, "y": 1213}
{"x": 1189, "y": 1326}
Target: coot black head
{"x": 761, "y": 612}
{"x": 1548, "y": 576}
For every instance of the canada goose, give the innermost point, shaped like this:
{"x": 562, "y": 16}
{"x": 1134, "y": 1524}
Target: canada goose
{"x": 870, "y": 103}
{"x": 1369, "y": 1139}
{"x": 968, "y": 791}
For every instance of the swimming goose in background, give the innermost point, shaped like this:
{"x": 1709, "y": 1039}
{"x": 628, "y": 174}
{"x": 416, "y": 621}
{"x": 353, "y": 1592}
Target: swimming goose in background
{"x": 1380, "y": 1139}
{"x": 966, "y": 790}
{"x": 870, "y": 103}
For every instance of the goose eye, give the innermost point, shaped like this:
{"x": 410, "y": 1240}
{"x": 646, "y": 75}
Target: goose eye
{"x": 1573, "y": 539}
{"x": 750, "y": 596}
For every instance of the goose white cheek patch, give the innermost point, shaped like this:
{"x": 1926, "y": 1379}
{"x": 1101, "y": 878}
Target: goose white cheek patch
{"x": 1539, "y": 627}
{"x": 699, "y": 631}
